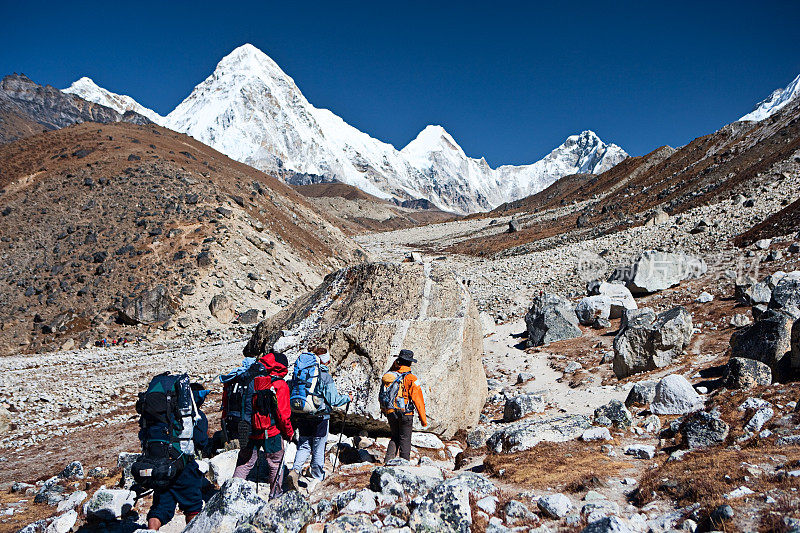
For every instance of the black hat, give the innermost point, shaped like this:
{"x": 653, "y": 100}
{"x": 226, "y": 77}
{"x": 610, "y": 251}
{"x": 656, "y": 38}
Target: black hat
{"x": 281, "y": 358}
{"x": 407, "y": 356}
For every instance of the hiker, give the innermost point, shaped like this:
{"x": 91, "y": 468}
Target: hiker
{"x": 169, "y": 436}
{"x": 311, "y": 377}
{"x": 399, "y": 396}
{"x": 270, "y": 417}
{"x": 202, "y": 443}
{"x": 236, "y": 405}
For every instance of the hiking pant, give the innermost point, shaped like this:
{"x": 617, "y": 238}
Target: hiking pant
{"x": 312, "y": 442}
{"x": 185, "y": 492}
{"x": 400, "y": 426}
{"x": 248, "y": 457}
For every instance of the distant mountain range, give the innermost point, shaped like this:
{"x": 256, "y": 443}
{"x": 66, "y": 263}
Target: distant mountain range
{"x": 252, "y": 111}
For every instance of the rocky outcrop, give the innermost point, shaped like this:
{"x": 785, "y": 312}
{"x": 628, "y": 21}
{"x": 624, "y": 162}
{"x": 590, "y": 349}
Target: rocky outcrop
{"x": 551, "y": 318}
{"x": 648, "y": 341}
{"x": 786, "y": 295}
{"x": 52, "y": 109}
{"x": 366, "y": 313}
{"x": 701, "y": 429}
{"x": 237, "y": 502}
{"x": 655, "y": 271}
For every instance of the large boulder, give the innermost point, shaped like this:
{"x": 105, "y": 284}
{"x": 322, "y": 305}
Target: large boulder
{"x": 149, "y": 307}
{"x": 524, "y": 404}
{"x": 222, "y": 309}
{"x": 702, "y": 429}
{"x": 767, "y": 340}
{"x": 551, "y": 318}
{"x": 591, "y": 308}
{"x": 744, "y": 373}
{"x": 525, "y": 435}
{"x": 795, "y": 351}
{"x": 641, "y": 394}
{"x": 405, "y": 479}
{"x": 366, "y": 313}
{"x": 237, "y": 502}
{"x": 786, "y": 294}
{"x": 288, "y": 513}
{"x": 648, "y": 342}
{"x": 446, "y": 508}
{"x": 109, "y": 504}
{"x": 655, "y": 271}
{"x": 620, "y": 296}
{"x": 674, "y": 395}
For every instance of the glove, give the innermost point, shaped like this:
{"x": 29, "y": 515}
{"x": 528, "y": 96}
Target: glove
{"x": 245, "y": 430}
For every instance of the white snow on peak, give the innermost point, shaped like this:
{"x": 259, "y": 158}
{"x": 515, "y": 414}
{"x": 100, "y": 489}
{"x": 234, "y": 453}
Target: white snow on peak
{"x": 776, "y": 101}
{"x": 252, "y": 111}
{"x": 87, "y": 89}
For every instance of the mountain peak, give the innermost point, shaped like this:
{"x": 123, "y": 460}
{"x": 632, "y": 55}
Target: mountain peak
{"x": 87, "y": 89}
{"x": 433, "y": 138}
{"x": 247, "y": 58}
{"x": 84, "y": 82}
{"x": 775, "y": 102}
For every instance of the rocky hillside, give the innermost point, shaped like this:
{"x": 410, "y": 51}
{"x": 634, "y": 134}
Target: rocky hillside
{"x": 358, "y": 212}
{"x": 121, "y": 230}
{"x": 27, "y": 108}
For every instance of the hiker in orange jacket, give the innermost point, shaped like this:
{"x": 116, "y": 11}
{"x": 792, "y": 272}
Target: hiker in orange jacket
{"x": 402, "y": 421}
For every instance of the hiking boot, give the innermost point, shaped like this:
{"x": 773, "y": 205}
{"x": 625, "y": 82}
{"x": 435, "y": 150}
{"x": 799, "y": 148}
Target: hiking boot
{"x": 294, "y": 480}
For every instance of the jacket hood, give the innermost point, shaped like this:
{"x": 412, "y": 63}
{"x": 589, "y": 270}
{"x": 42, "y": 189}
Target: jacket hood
{"x": 401, "y": 369}
{"x": 274, "y": 368}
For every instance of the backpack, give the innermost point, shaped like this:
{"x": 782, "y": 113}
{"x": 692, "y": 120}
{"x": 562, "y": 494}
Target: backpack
{"x": 265, "y": 406}
{"x": 392, "y": 396}
{"x": 304, "y": 398}
{"x": 166, "y": 422}
{"x": 236, "y": 394}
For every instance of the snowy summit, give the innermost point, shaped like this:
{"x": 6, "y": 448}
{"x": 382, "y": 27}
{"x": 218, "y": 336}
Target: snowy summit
{"x": 776, "y": 101}
{"x": 252, "y": 111}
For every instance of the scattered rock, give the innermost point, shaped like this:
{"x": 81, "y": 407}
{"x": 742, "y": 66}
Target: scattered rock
{"x": 525, "y": 435}
{"x": 591, "y": 308}
{"x": 555, "y": 505}
{"x": 649, "y": 342}
{"x": 616, "y": 412}
{"x": 551, "y": 318}
{"x": 641, "y": 394}
{"x": 522, "y": 405}
{"x": 151, "y": 306}
{"x": 704, "y": 298}
{"x": 288, "y": 513}
{"x": 702, "y": 429}
{"x": 410, "y": 479}
{"x": 768, "y": 340}
{"x": 744, "y": 373}
{"x": 641, "y": 451}
{"x": 109, "y": 504}
{"x": 674, "y": 395}
{"x": 236, "y": 502}
{"x": 593, "y": 434}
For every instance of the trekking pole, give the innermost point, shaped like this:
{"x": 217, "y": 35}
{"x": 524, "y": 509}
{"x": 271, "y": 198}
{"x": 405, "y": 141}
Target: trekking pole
{"x": 341, "y": 434}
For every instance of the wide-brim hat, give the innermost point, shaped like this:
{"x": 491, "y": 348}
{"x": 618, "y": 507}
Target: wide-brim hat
{"x": 406, "y": 356}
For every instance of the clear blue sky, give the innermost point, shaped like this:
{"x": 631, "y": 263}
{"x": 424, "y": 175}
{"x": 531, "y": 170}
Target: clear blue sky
{"x": 508, "y": 80}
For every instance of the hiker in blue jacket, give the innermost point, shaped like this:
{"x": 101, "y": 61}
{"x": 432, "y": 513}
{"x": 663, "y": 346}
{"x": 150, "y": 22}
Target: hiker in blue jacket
{"x": 313, "y": 427}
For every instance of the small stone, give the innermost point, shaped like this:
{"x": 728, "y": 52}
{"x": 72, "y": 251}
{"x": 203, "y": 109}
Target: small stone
{"x": 594, "y": 434}
{"x": 641, "y": 451}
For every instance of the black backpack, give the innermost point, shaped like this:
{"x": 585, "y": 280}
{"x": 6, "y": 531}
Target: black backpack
{"x": 236, "y": 396}
{"x": 166, "y": 424}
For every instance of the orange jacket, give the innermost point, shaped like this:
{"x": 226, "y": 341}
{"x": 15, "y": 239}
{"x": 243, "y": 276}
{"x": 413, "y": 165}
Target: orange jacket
{"x": 412, "y": 391}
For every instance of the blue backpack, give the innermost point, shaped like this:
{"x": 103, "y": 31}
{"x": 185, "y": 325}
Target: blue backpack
{"x": 304, "y": 398}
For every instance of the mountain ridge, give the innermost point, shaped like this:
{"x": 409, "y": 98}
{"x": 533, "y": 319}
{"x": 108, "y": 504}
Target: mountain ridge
{"x": 252, "y": 111}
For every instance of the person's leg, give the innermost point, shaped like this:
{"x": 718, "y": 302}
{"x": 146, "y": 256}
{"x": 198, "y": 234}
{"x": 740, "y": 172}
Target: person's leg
{"x": 394, "y": 439}
{"x": 162, "y": 510}
{"x": 303, "y": 452}
{"x": 405, "y": 424}
{"x": 188, "y": 491}
{"x": 275, "y": 474}
{"x": 246, "y": 460}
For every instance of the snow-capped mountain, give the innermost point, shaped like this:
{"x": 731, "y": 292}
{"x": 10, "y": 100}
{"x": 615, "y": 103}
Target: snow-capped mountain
{"x": 252, "y": 111}
{"x": 90, "y": 91}
{"x": 776, "y": 101}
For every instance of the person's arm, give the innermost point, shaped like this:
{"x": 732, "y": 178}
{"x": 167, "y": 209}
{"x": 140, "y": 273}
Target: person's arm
{"x": 419, "y": 402}
{"x": 200, "y": 435}
{"x": 329, "y": 391}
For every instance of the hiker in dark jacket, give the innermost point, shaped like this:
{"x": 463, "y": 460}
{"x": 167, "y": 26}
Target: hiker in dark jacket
{"x": 313, "y": 428}
{"x": 187, "y": 490}
{"x": 268, "y": 429}
{"x": 402, "y": 422}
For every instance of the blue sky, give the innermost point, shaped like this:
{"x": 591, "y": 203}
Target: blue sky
{"x": 510, "y": 81}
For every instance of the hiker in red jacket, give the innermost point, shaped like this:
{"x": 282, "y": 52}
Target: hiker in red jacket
{"x": 271, "y": 420}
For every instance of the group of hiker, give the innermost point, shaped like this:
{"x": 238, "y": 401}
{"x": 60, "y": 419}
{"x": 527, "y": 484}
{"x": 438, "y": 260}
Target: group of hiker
{"x": 263, "y": 411}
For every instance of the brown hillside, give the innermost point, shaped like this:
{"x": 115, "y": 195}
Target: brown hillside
{"x": 92, "y": 215}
